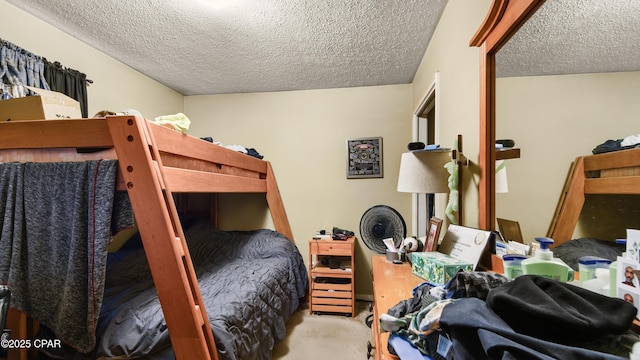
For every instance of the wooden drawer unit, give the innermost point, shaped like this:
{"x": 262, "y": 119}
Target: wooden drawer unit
{"x": 331, "y": 247}
{"x": 331, "y": 276}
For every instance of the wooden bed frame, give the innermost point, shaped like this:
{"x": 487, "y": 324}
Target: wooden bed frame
{"x": 154, "y": 163}
{"x": 616, "y": 172}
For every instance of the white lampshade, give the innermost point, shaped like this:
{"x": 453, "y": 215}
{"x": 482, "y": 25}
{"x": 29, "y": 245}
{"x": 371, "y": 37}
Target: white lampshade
{"x": 424, "y": 172}
{"x": 502, "y": 185}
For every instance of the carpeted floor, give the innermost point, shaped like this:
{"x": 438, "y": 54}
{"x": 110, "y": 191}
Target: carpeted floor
{"x": 326, "y": 336}
{"x": 322, "y": 337}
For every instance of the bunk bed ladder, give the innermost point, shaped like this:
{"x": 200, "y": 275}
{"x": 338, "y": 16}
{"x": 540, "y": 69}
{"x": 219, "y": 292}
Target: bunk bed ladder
{"x": 276, "y": 207}
{"x": 163, "y": 239}
{"x": 570, "y": 204}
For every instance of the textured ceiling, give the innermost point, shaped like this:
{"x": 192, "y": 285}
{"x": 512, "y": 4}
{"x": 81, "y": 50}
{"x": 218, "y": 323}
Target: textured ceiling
{"x": 198, "y": 47}
{"x": 575, "y": 36}
{"x": 195, "y": 47}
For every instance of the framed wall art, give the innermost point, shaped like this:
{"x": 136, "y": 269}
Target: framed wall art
{"x": 364, "y": 158}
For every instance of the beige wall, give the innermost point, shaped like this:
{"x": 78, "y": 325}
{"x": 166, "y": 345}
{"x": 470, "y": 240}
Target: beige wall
{"x": 554, "y": 119}
{"x": 115, "y": 86}
{"x": 458, "y": 98}
{"x": 303, "y": 134}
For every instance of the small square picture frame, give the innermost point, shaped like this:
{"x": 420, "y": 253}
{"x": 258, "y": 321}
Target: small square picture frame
{"x": 433, "y": 234}
{"x": 626, "y": 274}
{"x": 364, "y": 158}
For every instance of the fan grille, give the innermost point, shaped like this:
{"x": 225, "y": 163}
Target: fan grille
{"x": 381, "y": 222}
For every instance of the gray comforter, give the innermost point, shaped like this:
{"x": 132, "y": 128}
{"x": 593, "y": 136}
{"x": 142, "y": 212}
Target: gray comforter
{"x": 251, "y": 283}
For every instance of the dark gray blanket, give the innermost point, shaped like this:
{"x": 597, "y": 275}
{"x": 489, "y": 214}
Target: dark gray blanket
{"x": 571, "y": 251}
{"x": 251, "y": 283}
{"x": 56, "y": 226}
{"x": 478, "y": 333}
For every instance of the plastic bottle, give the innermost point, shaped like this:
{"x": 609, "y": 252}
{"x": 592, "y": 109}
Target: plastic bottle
{"x": 587, "y": 266}
{"x": 512, "y": 265}
{"x": 635, "y": 353}
{"x": 613, "y": 270}
{"x": 599, "y": 284}
{"x": 544, "y": 264}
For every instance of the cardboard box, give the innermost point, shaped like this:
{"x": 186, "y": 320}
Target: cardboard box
{"x": 47, "y": 105}
{"x": 437, "y": 267}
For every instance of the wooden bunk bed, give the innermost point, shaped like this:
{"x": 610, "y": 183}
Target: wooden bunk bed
{"x": 616, "y": 172}
{"x": 154, "y": 163}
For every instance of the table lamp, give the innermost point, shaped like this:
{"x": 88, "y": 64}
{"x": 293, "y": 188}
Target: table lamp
{"x": 424, "y": 172}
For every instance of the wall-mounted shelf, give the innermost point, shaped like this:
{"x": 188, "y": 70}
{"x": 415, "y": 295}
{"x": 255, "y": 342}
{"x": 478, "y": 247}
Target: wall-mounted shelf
{"x": 509, "y": 153}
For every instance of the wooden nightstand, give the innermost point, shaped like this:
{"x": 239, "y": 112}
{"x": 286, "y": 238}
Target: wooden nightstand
{"x": 331, "y": 276}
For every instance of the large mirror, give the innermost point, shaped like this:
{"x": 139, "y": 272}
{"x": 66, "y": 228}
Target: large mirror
{"x": 566, "y": 82}
{"x": 561, "y": 77}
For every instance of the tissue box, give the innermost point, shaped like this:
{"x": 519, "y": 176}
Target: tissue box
{"x": 437, "y": 267}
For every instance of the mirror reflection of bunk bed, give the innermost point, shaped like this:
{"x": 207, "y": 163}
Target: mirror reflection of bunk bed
{"x": 515, "y": 30}
{"x": 156, "y": 166}
{"x": 521, "y": 338}
{"x": 616, "y": 172}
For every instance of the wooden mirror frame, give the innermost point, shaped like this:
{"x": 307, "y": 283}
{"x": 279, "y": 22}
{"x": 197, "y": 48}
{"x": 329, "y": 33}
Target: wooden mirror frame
{"x": 503, "y": 20}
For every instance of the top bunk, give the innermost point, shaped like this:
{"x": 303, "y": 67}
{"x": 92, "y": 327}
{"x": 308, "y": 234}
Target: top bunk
{"x": 616, "y": 172}
{"x": 77, "y": 140}
{"x": 154, "y": 163}
{"x": 187, "y": 164}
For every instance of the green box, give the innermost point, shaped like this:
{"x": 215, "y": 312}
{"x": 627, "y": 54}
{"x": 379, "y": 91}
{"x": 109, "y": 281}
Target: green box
{"x": 437, "y": 267}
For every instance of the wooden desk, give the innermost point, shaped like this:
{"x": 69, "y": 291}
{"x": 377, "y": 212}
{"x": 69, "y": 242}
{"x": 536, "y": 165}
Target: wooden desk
{"x": 391, "y": 284}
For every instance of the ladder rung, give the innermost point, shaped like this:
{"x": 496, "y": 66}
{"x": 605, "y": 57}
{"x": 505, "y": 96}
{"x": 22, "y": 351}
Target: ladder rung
{"x": 180, "y": 247}
{"x": 156, "y": 167}
{"x": 200, "y": 319}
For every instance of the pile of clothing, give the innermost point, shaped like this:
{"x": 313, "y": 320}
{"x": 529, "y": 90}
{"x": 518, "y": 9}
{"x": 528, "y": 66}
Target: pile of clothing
{"x": 628, "y": 142}
{"x": 481, "y": 315}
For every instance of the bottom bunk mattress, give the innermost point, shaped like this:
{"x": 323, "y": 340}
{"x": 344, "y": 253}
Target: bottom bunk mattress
{"x": 571, "y": 251}
{"x": 251, "y": 283}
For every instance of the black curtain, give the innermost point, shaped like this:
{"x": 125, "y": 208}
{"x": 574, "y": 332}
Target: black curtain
{"x": 69, "y": 82}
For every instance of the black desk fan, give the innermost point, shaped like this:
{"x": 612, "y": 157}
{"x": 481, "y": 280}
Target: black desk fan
{"x": 382, "y": 222}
